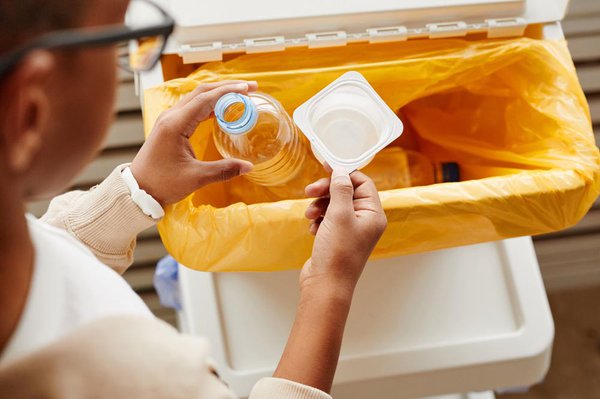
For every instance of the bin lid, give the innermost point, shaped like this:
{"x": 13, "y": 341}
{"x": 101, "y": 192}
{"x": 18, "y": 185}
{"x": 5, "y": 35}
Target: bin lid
{"x": 207, "y": 30}
{"x": 238, "y": 22}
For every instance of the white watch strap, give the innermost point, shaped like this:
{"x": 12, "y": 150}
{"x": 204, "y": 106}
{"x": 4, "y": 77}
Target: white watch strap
{"x": 148, "y": 205}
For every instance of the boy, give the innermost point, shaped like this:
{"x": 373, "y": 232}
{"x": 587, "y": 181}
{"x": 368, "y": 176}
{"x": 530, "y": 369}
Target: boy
{"x": 70, "y": 325}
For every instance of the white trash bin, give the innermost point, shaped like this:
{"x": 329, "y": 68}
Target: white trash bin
{"x": 458, "y": 320}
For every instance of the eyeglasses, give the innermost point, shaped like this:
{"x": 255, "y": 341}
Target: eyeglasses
{"x": 145, "y": 22}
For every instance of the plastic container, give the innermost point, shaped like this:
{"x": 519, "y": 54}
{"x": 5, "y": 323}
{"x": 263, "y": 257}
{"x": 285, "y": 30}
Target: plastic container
{"x": 395, "y": 167}
{"x": 347, "y": 123}
{"x": 256, "y": 128}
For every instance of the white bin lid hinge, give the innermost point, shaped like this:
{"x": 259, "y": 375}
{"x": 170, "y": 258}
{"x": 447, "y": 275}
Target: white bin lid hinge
{"x": 326, "y": 39}
{"x": 201, "y": 52}
{"x": 447, "y": 29}
{"x": 264, "y": 44}
{"x": 387, "y": 34}
{"x": 505, "y": 27}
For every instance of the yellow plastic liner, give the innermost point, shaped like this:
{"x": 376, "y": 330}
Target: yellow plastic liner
{"x": 510, "y": 112}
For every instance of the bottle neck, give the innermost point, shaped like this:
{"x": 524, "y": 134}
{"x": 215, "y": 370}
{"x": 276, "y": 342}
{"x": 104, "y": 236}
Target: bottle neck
{"x": 241, "y": 123}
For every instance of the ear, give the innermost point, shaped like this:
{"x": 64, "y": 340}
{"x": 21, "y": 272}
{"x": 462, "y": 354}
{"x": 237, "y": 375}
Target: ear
{"x": 26, "y": 105}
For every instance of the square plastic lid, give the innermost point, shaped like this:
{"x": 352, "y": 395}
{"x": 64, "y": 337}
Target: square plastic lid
{"x": 347, "y": 122}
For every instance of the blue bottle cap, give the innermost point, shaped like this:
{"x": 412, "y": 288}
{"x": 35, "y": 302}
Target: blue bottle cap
{"x": 245, "y": 122}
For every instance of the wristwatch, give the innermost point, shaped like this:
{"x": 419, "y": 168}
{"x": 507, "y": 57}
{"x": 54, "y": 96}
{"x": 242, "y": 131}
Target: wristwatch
{"x": 147, "y": 204}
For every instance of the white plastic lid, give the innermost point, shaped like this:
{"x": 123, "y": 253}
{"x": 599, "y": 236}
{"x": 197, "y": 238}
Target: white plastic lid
{"x": 347, "y": 123}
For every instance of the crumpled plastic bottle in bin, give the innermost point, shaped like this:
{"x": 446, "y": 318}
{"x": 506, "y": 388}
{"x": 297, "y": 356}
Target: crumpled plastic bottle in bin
{"x": 395, "y": 167}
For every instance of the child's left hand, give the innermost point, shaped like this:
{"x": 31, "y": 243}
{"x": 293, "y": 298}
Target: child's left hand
{"x": 166, "y": 167}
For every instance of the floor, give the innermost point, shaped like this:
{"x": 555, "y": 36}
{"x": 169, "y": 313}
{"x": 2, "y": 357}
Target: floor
{"x": 575, "y": 369}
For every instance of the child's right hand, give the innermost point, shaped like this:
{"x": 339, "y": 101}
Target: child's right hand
{"x": 348, "y": 220}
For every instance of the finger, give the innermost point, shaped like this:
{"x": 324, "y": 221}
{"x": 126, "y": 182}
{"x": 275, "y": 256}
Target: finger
{"x": 201, "y": 106}
{"x": 222, "y": 170}
{"x": 314, "y": 226}
{"x": 363, "y": 185}
{"x": 317, "y": 208}
{"x": 341, "y": 193}
{"x": 320, "y": 188}
{"x": 204, "y": 87}
{"x": 252, "y": 85}
{"x": 328, "y": 168}
{"x": 366, "y": 196}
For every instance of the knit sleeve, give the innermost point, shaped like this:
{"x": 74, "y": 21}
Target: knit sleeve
{"x": 278, "y": 388}
{"x": 104, "y": 218}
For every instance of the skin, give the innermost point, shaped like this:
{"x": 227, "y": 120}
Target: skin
{"x": 55, "y": 108}
{"x": 347, "y": 219}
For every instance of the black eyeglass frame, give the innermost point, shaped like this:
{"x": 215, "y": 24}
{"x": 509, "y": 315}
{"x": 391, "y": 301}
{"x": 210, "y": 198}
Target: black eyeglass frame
{"x": 96, "y": 37}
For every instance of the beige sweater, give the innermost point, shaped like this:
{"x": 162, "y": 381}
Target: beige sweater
{"x": 122, "y": 356}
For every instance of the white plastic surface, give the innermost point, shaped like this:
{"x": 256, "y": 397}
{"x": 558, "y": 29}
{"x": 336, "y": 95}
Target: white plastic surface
{"x": 237, "y": 20}
{"x": 347, "y": 123}
{"x": 502, "y": 333}
{"x": 457, "y": 320}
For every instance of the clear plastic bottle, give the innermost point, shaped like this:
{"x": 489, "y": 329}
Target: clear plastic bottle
{"x": 256, "y": 128}
{"x": 395, "y": 168}
{"x": 423, "y": 171}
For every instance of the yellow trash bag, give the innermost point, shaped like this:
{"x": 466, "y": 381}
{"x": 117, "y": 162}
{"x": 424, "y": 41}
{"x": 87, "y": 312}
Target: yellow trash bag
{"x": 511, "y": 113}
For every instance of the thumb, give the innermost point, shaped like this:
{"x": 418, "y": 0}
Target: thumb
{"x": 341, "y": 193}
{"x": 221, "y": 170}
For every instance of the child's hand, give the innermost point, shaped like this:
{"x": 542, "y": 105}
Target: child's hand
{"x": 166, "y": 167}
{"x": 347, "y": 225}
